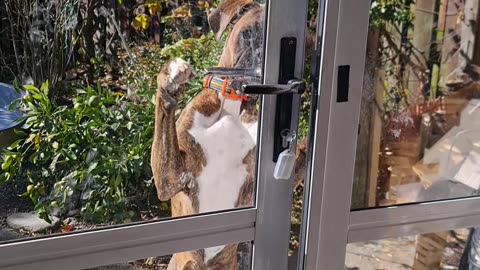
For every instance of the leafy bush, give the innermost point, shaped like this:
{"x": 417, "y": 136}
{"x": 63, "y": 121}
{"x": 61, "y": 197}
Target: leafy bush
{"x": 93, "y": 154}
{"x": 383, "y": 12}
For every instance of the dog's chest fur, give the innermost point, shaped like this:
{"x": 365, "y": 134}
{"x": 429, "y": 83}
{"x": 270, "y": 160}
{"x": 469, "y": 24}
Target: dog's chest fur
{"x": 225, "y": 142}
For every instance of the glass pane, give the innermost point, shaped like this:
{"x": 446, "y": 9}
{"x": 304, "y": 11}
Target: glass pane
{"x": 458, "y": 249}
{"x": 419, "y": 122}
{"x": 239, "y": 257}
{"x": 116, "y": 128}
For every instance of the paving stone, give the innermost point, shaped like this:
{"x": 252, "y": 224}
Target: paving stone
{"x": 29, "y": 222}
{"x": 391, "y": 254}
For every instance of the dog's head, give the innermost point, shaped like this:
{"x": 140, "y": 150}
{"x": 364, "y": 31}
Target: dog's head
{"x": 244, "y": 45}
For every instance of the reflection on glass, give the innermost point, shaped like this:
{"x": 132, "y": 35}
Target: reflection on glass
{"x": 115, "y": 127}
{"x": 240, "y": 259}
{"x": 459, "y": 249}
{"x": 420, "y": 115}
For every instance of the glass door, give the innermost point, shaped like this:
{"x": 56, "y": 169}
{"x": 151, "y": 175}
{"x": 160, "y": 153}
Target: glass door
{"x": 395, "y": 179}
{"x": 153, "y": 137}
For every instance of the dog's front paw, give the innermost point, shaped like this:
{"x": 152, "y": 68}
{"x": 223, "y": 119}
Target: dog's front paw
{"x": 173, "y": 76}
{"x": 179, "y": 71}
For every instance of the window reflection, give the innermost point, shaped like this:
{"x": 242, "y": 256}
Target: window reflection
{"x": 420, "y": 117}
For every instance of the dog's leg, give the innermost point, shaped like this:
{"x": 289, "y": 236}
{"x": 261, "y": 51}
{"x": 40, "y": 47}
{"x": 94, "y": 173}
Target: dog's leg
{"x": 300, "y": 163}
{"x": 189, "y": 260}
{"x": 168, "y": 162}
{"x": 191, "y": 265}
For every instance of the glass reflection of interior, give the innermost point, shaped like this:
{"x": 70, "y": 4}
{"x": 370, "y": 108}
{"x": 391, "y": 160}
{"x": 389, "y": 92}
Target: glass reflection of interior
{"x": 419, "y": 129}
{"x": 457, "y": 249}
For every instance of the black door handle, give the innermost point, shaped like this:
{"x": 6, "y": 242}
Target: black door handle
{"x": 287, "y": 87}
{"x": 292, "y": 87}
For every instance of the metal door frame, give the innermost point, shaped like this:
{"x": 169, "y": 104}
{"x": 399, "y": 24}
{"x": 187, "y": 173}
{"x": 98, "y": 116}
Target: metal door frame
{"x": 267, "y": 224}
{"x": 330, "y": 224}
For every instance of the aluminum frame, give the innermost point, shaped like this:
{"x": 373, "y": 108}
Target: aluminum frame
{"x": 267, "y": 224}
{"x": 330, "y": 222}
{"x": 121, "y": 244}
{"x": 344, "y": 43}
{"x": 272, "y": 233}
{"x": 402, "y": 220}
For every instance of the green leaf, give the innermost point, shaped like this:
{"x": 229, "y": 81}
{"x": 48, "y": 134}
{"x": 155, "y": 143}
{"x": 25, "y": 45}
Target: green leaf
{"x": 44, "y": 88}
{"x": 13, "y": 105}
{"x": 118, "y": 181}
{"x": 92, "y": 153}
{"x": 31, "y": 89}
{"x": 69, "y": 153}
{"x": 14, "y": 144}
{"x": 70, "y": 179}
{"x": 6, "y": 164}
{"x": 92, "y": 166}
{"x": 115, "y": 126}
{"x": 53, "y": 164}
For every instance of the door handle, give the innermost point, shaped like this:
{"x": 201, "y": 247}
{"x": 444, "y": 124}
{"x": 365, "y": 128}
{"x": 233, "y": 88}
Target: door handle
{"x": 294, "y": 86}
{"x": 287, "y": 87}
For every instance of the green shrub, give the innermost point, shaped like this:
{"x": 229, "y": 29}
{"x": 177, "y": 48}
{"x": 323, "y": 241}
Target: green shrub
{"x": 92, "y": 154}
{"x": 95, "y": 153}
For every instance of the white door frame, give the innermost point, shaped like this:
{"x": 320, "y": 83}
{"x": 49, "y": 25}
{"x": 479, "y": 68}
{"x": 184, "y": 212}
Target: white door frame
{"x": 330, "y": 222}
{"x": 267, "y": 224}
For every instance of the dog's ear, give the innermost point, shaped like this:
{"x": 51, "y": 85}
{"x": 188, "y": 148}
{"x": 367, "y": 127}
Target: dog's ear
{"x": 224, "y": 14}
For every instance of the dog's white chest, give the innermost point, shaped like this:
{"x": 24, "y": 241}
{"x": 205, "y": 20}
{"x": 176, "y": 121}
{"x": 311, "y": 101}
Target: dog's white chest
{"x": 225, "y": 145}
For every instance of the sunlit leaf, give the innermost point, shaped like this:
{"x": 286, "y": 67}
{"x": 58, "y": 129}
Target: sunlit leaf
{"x": 154, "y": 8}
{"x": 182, "y": 12}
{"x": 31, "y": 89}
{"x": 141, "y": 21}
{"x": 44, "y": 87}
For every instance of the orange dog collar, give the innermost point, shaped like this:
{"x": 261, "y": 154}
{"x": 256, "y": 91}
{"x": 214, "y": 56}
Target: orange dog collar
{"x": 224, "y": 87}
